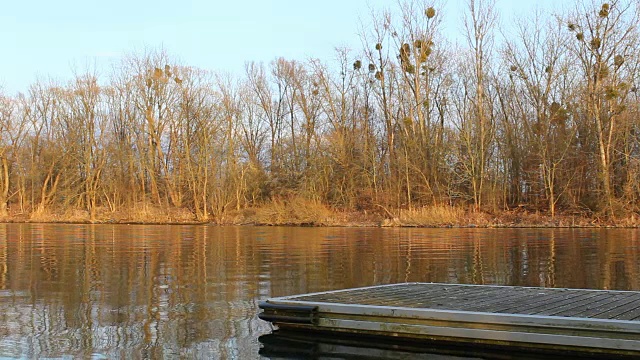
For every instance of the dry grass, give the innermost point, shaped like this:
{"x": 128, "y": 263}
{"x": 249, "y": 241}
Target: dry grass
{"x": 138, "y": 214}
{"x": 632, "y": 220}
{"x": 150, "y": 214}
{"x": 298, "y": 211}
{"x": 43, "y": 216}
{"x": 295, "y": 211}
{"x": 51, "y": 215}
{"x": 432, "y": 216}
{"x": 75, "y": 215}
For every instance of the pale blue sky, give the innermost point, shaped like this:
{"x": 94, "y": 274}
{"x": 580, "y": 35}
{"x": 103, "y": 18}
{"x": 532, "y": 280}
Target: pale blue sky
{"x": 45, "y": 38}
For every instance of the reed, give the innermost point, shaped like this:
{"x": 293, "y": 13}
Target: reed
{"x": 432, "y": 216}
{"x": 294, "y": 211}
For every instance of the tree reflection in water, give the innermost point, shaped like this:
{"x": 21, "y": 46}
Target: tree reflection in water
{"x": 165, "y": 291}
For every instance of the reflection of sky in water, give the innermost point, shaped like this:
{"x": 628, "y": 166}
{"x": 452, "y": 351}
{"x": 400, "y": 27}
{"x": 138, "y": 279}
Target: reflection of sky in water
{"x": 117, "y": 291}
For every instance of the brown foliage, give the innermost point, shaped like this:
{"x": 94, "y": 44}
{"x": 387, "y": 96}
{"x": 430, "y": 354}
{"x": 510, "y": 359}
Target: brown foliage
{"x": 540, "y": 120}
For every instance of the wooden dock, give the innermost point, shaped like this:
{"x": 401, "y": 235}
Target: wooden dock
{"x": 556, "y": 321}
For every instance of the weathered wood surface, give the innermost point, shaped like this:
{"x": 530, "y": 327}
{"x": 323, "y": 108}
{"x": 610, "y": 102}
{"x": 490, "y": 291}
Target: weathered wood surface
{"x": 600, "y": 322}
{"x": 599, "y": 304}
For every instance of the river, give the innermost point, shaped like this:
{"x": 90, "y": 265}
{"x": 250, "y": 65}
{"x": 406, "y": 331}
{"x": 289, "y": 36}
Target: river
{"x": 192, "y": 291}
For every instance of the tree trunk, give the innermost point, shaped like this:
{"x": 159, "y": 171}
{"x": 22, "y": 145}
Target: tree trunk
{"x": 4, "y": 191}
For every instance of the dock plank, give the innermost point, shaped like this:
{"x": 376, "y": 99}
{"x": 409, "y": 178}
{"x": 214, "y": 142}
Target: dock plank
{"x": 571, "y": 307}
{"x": 577, "y": 309}
{"x": 608, "y": 308}
{"x": 503, "y": 304}
{"x": 614, "y": 313}
{"x": 516, "y": 300}
{"x": 632, "y": 315}
{"x": 574, "y": 320}
{"x": 537, "y": 304}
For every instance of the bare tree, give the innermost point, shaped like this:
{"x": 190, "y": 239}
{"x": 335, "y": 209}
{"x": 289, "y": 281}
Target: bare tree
{"x": 540, "y": 96}
{"x": 605, "y": 36}
{"x": 272, "y": 103}
{"x": 46, "y": 153}
{"x": 12, "y": 131}
{"x": 83, "y": 127}
{"x": 475, "y": 108}
{"x": 199, "y": 126}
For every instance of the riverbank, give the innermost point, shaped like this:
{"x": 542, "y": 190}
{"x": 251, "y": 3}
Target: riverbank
{"x": 315, "y": 214}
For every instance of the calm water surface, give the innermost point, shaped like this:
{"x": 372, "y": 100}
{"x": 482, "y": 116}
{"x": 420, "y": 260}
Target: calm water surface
{"x": 120, "y": 291}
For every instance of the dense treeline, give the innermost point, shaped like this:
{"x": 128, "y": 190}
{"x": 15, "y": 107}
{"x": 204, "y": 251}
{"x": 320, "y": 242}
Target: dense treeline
{"x": 543, "y": 114}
